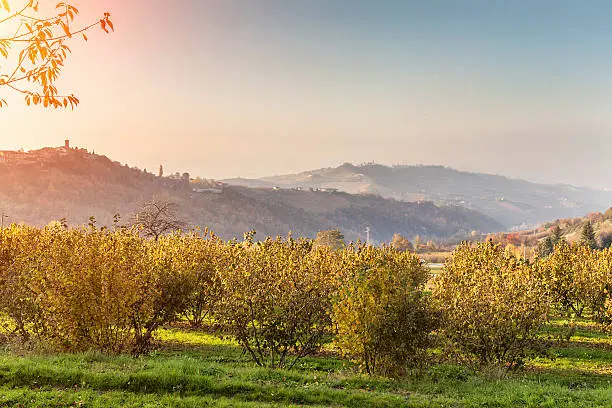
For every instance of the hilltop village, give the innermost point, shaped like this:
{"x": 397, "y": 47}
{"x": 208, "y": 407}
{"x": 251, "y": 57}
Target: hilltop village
{"x": 73, "y": 158}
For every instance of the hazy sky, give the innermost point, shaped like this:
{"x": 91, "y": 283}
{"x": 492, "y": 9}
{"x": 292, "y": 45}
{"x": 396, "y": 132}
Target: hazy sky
{"x": 252, "y": 88}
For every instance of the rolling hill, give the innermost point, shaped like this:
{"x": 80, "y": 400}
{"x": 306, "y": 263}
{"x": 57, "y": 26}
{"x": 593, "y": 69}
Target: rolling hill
{"x": 39, "y": 186}
{"x": 511, "y": 202}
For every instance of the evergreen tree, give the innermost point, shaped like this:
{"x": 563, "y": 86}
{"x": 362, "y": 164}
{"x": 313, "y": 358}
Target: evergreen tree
{"x": 605, "y": 240}
{"x": 546, "y": 247}
{"x": 557, "y": 235}
{"x": 587, "y": 236}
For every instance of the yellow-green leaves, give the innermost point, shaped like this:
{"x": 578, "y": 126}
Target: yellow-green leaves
{"x": 277, "y": 298}
{"x": 492, "y": 305}
{"x": 77, "y": 289}
{"x": 383, "y": 321}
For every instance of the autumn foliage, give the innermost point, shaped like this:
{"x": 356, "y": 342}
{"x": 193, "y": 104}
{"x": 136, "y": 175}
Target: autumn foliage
{"x": 76, "y": 289}
{"x": 37, "y": 49}
{"x": 277, "y": 298}
{"x": 492, "y": 305}
{"x": 383, "y": 319}
{"x": 282, "y": 299}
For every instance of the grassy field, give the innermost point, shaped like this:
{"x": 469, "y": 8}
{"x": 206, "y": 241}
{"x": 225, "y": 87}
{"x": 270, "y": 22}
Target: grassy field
{"x": 194, "y": 369}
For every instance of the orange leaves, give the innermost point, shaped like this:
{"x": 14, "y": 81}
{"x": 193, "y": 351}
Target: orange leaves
{"x": 51, "y": 101}
{"x": 65, "y": 28}
{"x": 42, "y": 52}
{"x": 4, "y": 47}
{"x": 69, "y": 11}
{"x": 106, "y": 22}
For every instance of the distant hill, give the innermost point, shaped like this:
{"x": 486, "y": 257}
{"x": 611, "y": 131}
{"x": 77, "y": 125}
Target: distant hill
{"x": 509, "y": 201}
{"x": 39, "y": 186}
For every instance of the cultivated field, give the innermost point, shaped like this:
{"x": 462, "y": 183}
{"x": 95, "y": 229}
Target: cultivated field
{"x": 98, "y": 317}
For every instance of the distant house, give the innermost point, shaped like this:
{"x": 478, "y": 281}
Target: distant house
{"x": 207, "y": 186}
{"x": 207, "y": 190}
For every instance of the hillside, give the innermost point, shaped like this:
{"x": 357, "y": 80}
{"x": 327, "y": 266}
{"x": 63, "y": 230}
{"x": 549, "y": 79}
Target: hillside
{"x": 39, "y": 186}
{"x": 570, "y": 229}
{"x": 509, "y": 201}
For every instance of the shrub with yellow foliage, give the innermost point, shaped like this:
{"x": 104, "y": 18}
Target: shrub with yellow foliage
{"x": 277, "y": 298}
{"x": 86, "y": 288}
{"x": 492, "y": 305}
{"x": 383, "y": 320}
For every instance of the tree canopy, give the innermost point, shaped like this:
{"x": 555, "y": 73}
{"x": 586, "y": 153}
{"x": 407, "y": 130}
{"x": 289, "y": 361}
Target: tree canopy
{"x": 333, "y": 239}
{"x": 36, "y": 49}
{"x": 400, "y": 243}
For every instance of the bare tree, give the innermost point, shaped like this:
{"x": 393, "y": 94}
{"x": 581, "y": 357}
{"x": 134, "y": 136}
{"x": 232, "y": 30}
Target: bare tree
{"x": 158, "y": 217}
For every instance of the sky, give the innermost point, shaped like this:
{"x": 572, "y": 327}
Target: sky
{"x": 253, "y": 88}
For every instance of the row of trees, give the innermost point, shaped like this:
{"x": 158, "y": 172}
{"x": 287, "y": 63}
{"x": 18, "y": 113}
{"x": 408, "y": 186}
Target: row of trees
{"x": 335, "y": 239}
{"x": 76, "y": 289}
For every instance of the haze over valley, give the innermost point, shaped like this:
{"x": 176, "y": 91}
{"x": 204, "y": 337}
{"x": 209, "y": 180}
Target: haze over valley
{"x": 512, "y": 202}
{"x": 71, "y": 183}
{"x": 432, "y": 202}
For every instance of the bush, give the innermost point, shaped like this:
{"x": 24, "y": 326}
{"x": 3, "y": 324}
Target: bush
{"x": 80, "y": 289}
{"x": 570, "y": 278}
{"x": 601, "y": 298}
{"x": 383, "y": 320}
{"x": 196, "y": 260}
{"x": 19, "y": 310}
{"x": 277, "y": 298}
{"x": 492, "y": 305}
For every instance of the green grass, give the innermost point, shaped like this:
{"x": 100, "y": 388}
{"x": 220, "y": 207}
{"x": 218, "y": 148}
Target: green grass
{"x": 194, "y": 369}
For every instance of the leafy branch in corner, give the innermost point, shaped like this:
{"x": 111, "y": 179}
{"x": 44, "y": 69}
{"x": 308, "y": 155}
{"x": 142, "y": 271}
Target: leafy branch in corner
{"x": 41, "y": 42}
